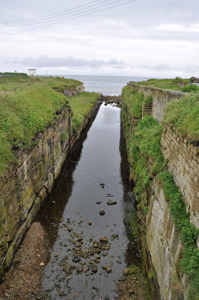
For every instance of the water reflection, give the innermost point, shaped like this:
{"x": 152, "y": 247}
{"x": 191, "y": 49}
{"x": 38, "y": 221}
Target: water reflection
{"x": 77, "y": 198}
{"x": 51, "y": 212}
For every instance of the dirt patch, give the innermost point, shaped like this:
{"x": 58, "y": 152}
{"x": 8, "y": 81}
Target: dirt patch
{"x": 133, "y": 286}
{"x": 23, "y": 280}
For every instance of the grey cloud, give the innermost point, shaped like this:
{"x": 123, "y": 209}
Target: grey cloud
{"x": 159, "y": 68}
{"x": 140, "y": 12}
{"x": 191, "y": 69}
{"x": 70, "y": 61}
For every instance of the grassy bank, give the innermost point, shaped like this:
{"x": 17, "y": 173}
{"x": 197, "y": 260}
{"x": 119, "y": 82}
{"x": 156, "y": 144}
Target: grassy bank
{"x": 178, "y": 84}
{"x": 183, "y": 116}
{"x": 80, "y": 105}
{"x": 24, "y": 111}
{"x": 147, "y": 161}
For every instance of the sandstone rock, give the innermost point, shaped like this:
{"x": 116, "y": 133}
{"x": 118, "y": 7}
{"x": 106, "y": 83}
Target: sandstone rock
{"x": 108, "y": 246}
{"x": 98, "y": 251}
{"x": 111, "y": 202}
{"x": 104, "y": 240}
{"x": 79, "y": 270}
{"x": 94, "y": 268}
{"x": 80, "y": 239}
{"x": 99, "y": 245}
{"x": 107, "y": 268}
{"x": 102, "y": 213}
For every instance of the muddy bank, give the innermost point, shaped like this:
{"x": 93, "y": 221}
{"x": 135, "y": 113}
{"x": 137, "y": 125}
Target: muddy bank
{"x": 23, "y": 280}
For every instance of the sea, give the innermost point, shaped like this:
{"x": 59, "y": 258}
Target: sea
{"x": 107, "y": 85}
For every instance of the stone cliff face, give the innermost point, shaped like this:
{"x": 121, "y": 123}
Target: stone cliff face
{"x": 160, "y": 98}
{"x": 163, "y": 246}
{"x": 26, "y": 185}
{"x": 73, "y": 92}
{"x": 183, "y": 164}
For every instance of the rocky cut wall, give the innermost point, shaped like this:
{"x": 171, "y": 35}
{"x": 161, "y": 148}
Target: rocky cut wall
{"x": 161, "y": 97}
{"x": 163, "y": 246}
{"x": 183, "y": 164}
{"x": 27, "y": 184}
{"x": 163, "y": 238}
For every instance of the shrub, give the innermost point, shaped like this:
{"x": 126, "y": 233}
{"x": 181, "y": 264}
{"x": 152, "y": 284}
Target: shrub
{"x": 190, "y": 88}
{"x": 178, "y": 80}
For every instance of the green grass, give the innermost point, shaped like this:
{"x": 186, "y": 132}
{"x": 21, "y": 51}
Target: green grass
{"x": 23, "y": 114}
{"x": 171, "y": 84}
{"x": 57, "y": 83}
{"x": 60, "y": 84}
{"x": 190, "y": 88}
{"x": 12, "y": 82}
{"x": 133, "y": 100}
{"x": 183, "y": 115}
{"x": 144, "y": 154}
{"x": 81, "y": 104}
{"x": 15, "y": 73}
{"x": 28, "y": 110}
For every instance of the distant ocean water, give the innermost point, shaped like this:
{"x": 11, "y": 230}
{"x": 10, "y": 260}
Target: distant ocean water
{"x": 107, "y": 85}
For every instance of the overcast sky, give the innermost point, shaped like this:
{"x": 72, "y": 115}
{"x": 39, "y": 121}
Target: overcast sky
{"x": 152, "y": 38}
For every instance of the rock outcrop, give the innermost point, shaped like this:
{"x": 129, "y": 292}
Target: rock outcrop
{"x": 27, "y": 183}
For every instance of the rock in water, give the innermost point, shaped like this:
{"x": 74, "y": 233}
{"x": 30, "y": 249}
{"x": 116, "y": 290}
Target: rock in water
{"x": 110, "y": 202}
{"x": 102, "y": 213}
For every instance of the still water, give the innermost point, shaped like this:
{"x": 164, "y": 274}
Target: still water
{"x": 94, "y": 175}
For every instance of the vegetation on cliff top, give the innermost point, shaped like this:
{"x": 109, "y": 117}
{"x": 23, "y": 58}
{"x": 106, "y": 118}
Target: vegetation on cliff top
{"x": 171, "y": 84}
{"x": 21, "y": 82}
{"x": 27, "y": 110}
{"x": 183, "y": 116}
{"x": 146, "y": 161}
{"x": 81, "y": 105}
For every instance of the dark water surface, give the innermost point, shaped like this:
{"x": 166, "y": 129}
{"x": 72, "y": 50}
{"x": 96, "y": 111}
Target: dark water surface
{"x": 72, "y": 203}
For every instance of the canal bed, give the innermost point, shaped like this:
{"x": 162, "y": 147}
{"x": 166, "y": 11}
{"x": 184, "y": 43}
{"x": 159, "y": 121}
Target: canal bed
{"x": 94, "y": 175}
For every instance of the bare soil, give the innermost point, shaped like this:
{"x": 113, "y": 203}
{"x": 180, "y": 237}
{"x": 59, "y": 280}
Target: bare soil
{"x": 23, "y": 280}
{"x": 133, "y": 286}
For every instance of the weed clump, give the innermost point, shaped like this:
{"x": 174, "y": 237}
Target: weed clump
{"x": 190, "y": 88}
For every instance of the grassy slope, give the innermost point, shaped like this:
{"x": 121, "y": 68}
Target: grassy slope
{"x": 25, "y": 111}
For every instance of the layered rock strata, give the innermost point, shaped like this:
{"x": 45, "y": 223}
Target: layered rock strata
{"x": 27, "y": 184}
{"x": 162, "y": 244}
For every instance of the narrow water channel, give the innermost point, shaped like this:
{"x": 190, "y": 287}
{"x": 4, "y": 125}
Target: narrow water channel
{"x": 94, "y": 175}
